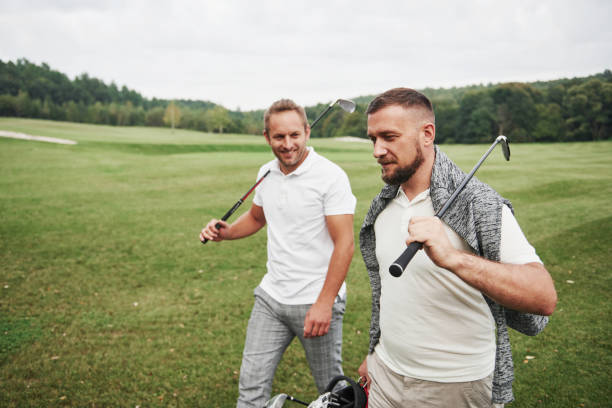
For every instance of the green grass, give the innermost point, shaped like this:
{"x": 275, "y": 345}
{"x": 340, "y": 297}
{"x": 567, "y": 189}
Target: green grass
{"x": 107, "y": 298}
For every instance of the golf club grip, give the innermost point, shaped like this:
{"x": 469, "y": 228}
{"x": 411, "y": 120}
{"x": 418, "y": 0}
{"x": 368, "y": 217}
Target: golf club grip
{"x": 217, "y": 226}
{"x": 397, "y": 268}
{"x": 226, "y": 216}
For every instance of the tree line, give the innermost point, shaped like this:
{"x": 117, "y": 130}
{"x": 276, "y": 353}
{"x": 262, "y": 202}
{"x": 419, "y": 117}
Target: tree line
{"x": 37, "y": 91}
{"x": 576, "y": 109}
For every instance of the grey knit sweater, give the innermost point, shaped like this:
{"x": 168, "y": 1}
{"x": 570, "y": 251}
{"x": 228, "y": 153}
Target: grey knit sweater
{"x": 476, "y": 217}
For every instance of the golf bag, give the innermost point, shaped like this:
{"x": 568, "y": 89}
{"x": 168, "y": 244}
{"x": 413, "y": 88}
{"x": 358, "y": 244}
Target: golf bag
{"x": 352, "y": 395}
{"x": 341, "y": 392}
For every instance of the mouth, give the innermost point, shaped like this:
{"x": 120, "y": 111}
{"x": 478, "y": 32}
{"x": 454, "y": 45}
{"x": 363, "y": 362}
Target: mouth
{"x": 287, "y": 155}
{"x": 386, "y": 167}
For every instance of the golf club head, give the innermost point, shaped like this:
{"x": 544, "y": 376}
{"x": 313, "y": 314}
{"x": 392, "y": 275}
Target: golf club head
{"x": 505, "y": 146}
{"x": 277, "y": 401}
{"x": 347, "y": 105}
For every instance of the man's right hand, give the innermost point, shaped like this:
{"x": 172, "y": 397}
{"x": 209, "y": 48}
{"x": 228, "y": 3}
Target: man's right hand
{"x": 363, "y": 372}
{"x": 212, "y": 233}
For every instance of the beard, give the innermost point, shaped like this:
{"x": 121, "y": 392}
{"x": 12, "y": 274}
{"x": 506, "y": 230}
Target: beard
{"x": 290, "y": 162}
{"x": 403, "y": 173}
{"x": 299, "y": 155}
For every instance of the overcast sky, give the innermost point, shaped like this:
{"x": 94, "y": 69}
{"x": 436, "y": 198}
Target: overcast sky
{"x": 246, "y": 54}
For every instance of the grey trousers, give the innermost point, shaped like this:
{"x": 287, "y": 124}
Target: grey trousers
{"x": 272, "y": 326}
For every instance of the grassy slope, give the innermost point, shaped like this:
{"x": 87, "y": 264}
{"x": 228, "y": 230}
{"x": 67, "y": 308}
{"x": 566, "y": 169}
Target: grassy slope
{"x": 108, "y": 298}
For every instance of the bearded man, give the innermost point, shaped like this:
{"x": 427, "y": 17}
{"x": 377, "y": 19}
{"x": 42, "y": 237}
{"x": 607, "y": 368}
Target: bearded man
{"x": 438, "y": 335}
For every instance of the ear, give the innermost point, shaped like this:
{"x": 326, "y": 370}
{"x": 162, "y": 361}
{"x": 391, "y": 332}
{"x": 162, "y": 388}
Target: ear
{"x": 307, "y": 132}
{"x": 266, "y": 136}
{"x": 429, "y": 133}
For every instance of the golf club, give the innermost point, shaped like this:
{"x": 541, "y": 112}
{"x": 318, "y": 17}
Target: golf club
{"x": 279, "y": 400}
{"x": 397, "y": 268}
{"x": 238, "y": 203}
{"x": 345, "y": 104}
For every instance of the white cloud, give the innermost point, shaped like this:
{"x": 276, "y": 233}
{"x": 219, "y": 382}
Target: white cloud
{"x": 247, "y": 54}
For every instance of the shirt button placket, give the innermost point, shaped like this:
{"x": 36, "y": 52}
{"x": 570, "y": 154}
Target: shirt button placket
{"x": 284, "y": 193}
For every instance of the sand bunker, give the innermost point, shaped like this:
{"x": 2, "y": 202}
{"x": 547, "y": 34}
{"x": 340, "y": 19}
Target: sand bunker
{"x": 352, "y": 139}
{"x": 16, "y": 135}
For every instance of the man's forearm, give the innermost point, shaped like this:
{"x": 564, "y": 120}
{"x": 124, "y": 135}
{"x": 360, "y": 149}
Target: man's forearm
{"x": 526, "y": 288}
{"x": 337, "y": 271}
{"x": 318, "y": 318}
{"x": 247, "y": 224}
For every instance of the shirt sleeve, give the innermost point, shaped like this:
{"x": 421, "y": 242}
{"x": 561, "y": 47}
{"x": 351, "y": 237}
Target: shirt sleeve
{"x": 339, "y": 198}
{"x": 514, "y": 247}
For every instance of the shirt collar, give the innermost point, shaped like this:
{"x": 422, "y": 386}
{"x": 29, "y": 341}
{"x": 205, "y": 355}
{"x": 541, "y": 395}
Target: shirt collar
{"x": 401, "y": 197}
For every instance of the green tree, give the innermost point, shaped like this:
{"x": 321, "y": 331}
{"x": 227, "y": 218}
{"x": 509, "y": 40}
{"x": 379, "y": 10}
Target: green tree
{"x": 561, "y": 110}
{"x": 124, "y": 114}
{"x": 550, "y": 126}
{"x": 23, "y": 105}
{"x": 72, "y": 111}
{"x": 172, "y": 115}
{"x": 45, "y": 111}
{"x": 137, "y": 116}
{"x": 98, "y": 113}
{"x": 193, "y": 119}
{"x": 447, "y": 118}
{"x": 155, "y": 117}
{"x": 477, "y": 118}
{"x": 8, "y": 105}
{"x": 590, "y": 110}
{"x": 516, "y": 110}
{"x": 217, "y": 119}
{"x": 252, "y": 122}
{"x": 355, "y": 124}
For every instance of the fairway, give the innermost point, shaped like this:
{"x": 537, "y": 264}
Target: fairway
{"x": 107, "y": 297}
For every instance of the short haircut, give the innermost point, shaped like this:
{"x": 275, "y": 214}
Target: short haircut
{"x": 284, "y": 105}
{"x": 405, "y": 97}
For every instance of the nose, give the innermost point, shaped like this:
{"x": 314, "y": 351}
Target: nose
{"x": 286, "y": 142}
{"x": 379, "y": 149}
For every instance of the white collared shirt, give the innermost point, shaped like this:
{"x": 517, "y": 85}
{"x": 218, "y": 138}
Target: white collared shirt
{"x": 299, "y": 244}
{"x": 434, "y": 326}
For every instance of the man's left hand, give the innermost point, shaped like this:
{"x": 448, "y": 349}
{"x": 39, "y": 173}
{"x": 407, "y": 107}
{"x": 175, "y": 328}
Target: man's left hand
{"x": 318, "y": 319}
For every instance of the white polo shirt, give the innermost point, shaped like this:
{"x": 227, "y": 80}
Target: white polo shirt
{"x": 299, "y": 244}
{"x": 434, "y": 326}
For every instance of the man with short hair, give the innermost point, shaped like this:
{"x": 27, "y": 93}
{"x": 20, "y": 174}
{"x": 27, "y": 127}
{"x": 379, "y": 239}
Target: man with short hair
{"x": 307, "y": 204}
{"x": 438, "y": 335}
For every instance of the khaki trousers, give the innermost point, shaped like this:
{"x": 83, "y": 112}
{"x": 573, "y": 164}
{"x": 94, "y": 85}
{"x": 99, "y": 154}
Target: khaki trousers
{"x": 391, "y": 390}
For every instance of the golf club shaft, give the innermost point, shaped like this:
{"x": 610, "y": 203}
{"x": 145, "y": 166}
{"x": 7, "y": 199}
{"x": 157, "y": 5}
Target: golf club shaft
{"x": 466, "y": 180}
{"x": 239, "y": 202}
{"x": 290, "y": 398}
{"x": 321, "y": 115}
{"x": 397, "y": 268}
